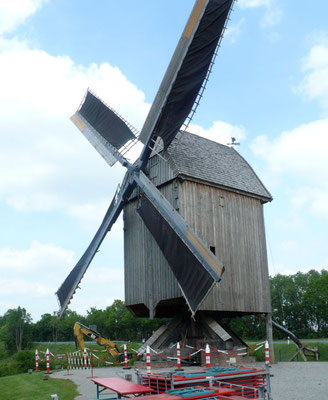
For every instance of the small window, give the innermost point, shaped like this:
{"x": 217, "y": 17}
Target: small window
{"x": 212, "y": 248}
{"x": 221, "y": 201}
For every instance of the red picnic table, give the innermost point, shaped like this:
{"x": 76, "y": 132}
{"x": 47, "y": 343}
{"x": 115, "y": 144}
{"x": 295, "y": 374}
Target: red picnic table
{"x": 122, "y": 387}
{"x": 201, "y": 395}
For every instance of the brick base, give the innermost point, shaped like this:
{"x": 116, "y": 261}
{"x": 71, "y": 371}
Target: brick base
{"x": 223, "y": 360}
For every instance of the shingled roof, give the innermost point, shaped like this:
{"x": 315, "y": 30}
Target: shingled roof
{"x": 204, "y": 160}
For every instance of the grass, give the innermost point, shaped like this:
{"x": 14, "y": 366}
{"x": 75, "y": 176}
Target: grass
{"x": 284, "y": 352}
{"x": 33, "y": 387}
{"x": 62, "y": 348}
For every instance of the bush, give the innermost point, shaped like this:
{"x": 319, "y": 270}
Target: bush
{"x": 9, "y": 367}
{"x": 3, "y": 351}
{"x": 25, "y": 360}
{"x": 18, "y": 363}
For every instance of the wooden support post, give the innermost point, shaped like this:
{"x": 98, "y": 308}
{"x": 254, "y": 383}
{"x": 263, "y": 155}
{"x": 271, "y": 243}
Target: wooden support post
{"x": 268, "y": 324}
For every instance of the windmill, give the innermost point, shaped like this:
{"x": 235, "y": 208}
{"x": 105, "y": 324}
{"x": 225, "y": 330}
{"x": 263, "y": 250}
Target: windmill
{"x": 195, "y": 268}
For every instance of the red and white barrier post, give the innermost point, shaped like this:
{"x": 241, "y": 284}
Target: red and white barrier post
{"x": 36, "y": 360}
{"x": 68, "y": 363}
{"x": 267, "y": 353}
{"x": 207, "y": 356}
{"x": 85, "y": 356}
{"x": 178, "y": 355}
{"x": 48, "y": 361}
{"x": 91, "y": 365}
{"x": 125, "y": 357}
{"x": 148, "y": 360}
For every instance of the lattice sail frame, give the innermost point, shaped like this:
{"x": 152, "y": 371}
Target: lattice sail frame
{"x": 191, "y": 65}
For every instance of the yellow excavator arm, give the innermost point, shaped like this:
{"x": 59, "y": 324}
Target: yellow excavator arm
{"x": 80, "y": 330}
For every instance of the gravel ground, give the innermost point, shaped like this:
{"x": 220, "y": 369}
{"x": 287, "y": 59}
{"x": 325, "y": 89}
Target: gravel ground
{"x": 291, "y": 381}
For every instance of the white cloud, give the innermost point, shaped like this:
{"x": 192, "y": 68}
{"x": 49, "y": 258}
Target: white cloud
{"x": 45, "y": 163}
{"x": 220, "y": 132}
{"x": 113, "y": 276}
{"x": 300, "y": 151}
{"x": 272, "y": 16}
{"x": 30, "y": 277}
{"x": 234, "y": 31}
{"x": 315, "y": 83}
{"x": 253, "y": 3}
{"x": 273, "y": 12}
{"x": 15, "y": 12}
{"x": 19, "y": 287}
{"x": 38, "y": 257}
{"x": 90, "y": 216}
{"x": 300, "y": 155}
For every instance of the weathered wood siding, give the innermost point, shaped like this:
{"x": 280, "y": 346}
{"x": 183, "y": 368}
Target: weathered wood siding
{"x": 234, "y": 225}
{"x": 230, "y": 222}
{"x": 148, "y": 277}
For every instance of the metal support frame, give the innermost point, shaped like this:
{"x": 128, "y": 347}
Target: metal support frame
{"x": 260, "y": 393}
{"x": 268, "y": 383}
{"x": 269, "y": 334}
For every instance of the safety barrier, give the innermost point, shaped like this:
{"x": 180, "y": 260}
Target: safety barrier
{"x": 78, "y": 360}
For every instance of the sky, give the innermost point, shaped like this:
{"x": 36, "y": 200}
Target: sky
{"x": 268, "y": 89}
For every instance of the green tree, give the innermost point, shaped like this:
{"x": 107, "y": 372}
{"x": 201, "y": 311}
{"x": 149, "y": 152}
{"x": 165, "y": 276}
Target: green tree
{"x": 96, "y": 317}
{"x": 45, "y": 330}
{"x": 316, "y": 300}
{"x": 64, "y": 327}
{"x": 297, "y": 302}
{"x": 16, "y": 331}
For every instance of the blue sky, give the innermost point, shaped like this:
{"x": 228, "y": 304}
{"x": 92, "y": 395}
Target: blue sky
{"x": 269, "y": 89}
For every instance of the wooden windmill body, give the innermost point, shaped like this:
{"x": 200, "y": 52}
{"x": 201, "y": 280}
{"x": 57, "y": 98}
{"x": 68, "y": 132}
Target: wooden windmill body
{"x": 220, "y": 196}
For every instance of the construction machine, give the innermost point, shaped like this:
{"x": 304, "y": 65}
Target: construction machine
{"x": 80, "y": 330}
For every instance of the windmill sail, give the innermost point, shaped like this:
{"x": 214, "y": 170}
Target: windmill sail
{"x": 195, "y": 267}
{"x": 186, "y": 72}
{"x": 69, "y": 286}
{"x": 194, "y": 280}
{"x": 105, "y": 129}
{"x": 105, "y": 121}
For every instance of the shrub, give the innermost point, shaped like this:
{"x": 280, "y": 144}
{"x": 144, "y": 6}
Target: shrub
{"x": 25, "y": 360}
{"x": 3, "y": 351}
{"x": 9, "y": 367}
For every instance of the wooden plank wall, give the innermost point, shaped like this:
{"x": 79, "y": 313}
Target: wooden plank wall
{"x": 231, "y": 222}
{"x": 148, "y": 277}
{"x": 234, "y": 225}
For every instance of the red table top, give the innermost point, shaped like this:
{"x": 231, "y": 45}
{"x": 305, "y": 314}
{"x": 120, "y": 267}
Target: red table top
{"x": 167, "y": 396}
{"x": 162, "y": 396}
{"x": 121, "y": 386}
